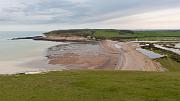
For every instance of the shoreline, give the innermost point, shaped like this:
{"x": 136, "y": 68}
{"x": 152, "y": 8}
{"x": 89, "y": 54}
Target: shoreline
{"x": 105, "y": 55}
{"x": 30, "y": 61}
{"x": 111, "y": 55}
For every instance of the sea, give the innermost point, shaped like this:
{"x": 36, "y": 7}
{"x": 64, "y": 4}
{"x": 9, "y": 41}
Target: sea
{"x": 22, "y": 56}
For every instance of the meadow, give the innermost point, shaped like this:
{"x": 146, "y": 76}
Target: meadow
{"x": 91, "y": 86}
{"x": 152, "y": 35}
{"x": 106, "y": 34}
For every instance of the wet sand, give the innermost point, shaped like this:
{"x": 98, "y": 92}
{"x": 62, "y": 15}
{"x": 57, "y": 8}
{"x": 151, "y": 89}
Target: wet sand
{"x": 106, "y": 55}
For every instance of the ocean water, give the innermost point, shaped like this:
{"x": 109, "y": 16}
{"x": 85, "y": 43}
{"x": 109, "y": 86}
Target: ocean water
{"x": 20, "y": 49}
{"x": 16, "y": 56}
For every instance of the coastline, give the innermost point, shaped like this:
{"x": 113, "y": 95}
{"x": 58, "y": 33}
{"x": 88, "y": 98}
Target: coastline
{"x": 82, "y": 54}
{"x": 104, "y": 55}
{"x": 28, "y": 60}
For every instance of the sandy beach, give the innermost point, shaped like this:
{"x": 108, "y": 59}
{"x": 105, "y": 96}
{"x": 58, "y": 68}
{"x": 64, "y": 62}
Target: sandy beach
{"x": 103, "y": 55}
{"x": 107, "y": 55}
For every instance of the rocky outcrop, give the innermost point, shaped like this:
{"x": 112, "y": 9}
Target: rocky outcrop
{"x": 34, "y": 38}
{"x": 57, "y": 39}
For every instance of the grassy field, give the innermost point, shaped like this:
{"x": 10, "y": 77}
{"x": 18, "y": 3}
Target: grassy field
{"x": 153, "y": 35}
{"x": 152, "y": 39}
{"x": 91, "y": 86}
{"x": 140, "y": 35}
{"x": 156, "y": 34}
{"x": 106, "y": 34}
{"x": 170, "y": 64}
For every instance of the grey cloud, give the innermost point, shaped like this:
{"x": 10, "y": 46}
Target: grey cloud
{"x": 63, "y": 11}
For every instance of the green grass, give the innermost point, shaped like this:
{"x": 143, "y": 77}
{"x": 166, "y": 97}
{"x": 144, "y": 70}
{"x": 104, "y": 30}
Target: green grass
{"x": 155, "y": 38}
{"x": 169, "y": 64}
{"x": 140, "y": 35}
{"x": 153, "y": 35}
{"x": 91, "y": 86}
{"x": 106, "y": 34}
{"x": 157, "y": 34}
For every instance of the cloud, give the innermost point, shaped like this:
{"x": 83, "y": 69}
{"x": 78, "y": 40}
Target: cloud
{"x": 83, "y": 12}
{"x": 163, "y": 19}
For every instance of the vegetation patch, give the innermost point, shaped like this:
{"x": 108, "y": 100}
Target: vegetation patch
{"x": 91, "y": 86}
{"x": 169, "y": 63}
{"x": 165, "y": 35}
{"x": 104, "y": 34}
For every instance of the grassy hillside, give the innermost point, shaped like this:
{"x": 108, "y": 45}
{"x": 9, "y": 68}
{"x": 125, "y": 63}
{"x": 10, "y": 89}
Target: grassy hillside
{"x": 72, "y": 32}
{"x": 155, "y": 34}
{"x": 152, "y": 35}
{"x": 170, "y": 64}
{"x": 91, "y": 86}
{"x": 106, "y": 34}
{"x": 119, "y": 34}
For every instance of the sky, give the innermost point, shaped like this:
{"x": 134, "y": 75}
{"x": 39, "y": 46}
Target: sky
{"x": 45, "y": 15}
